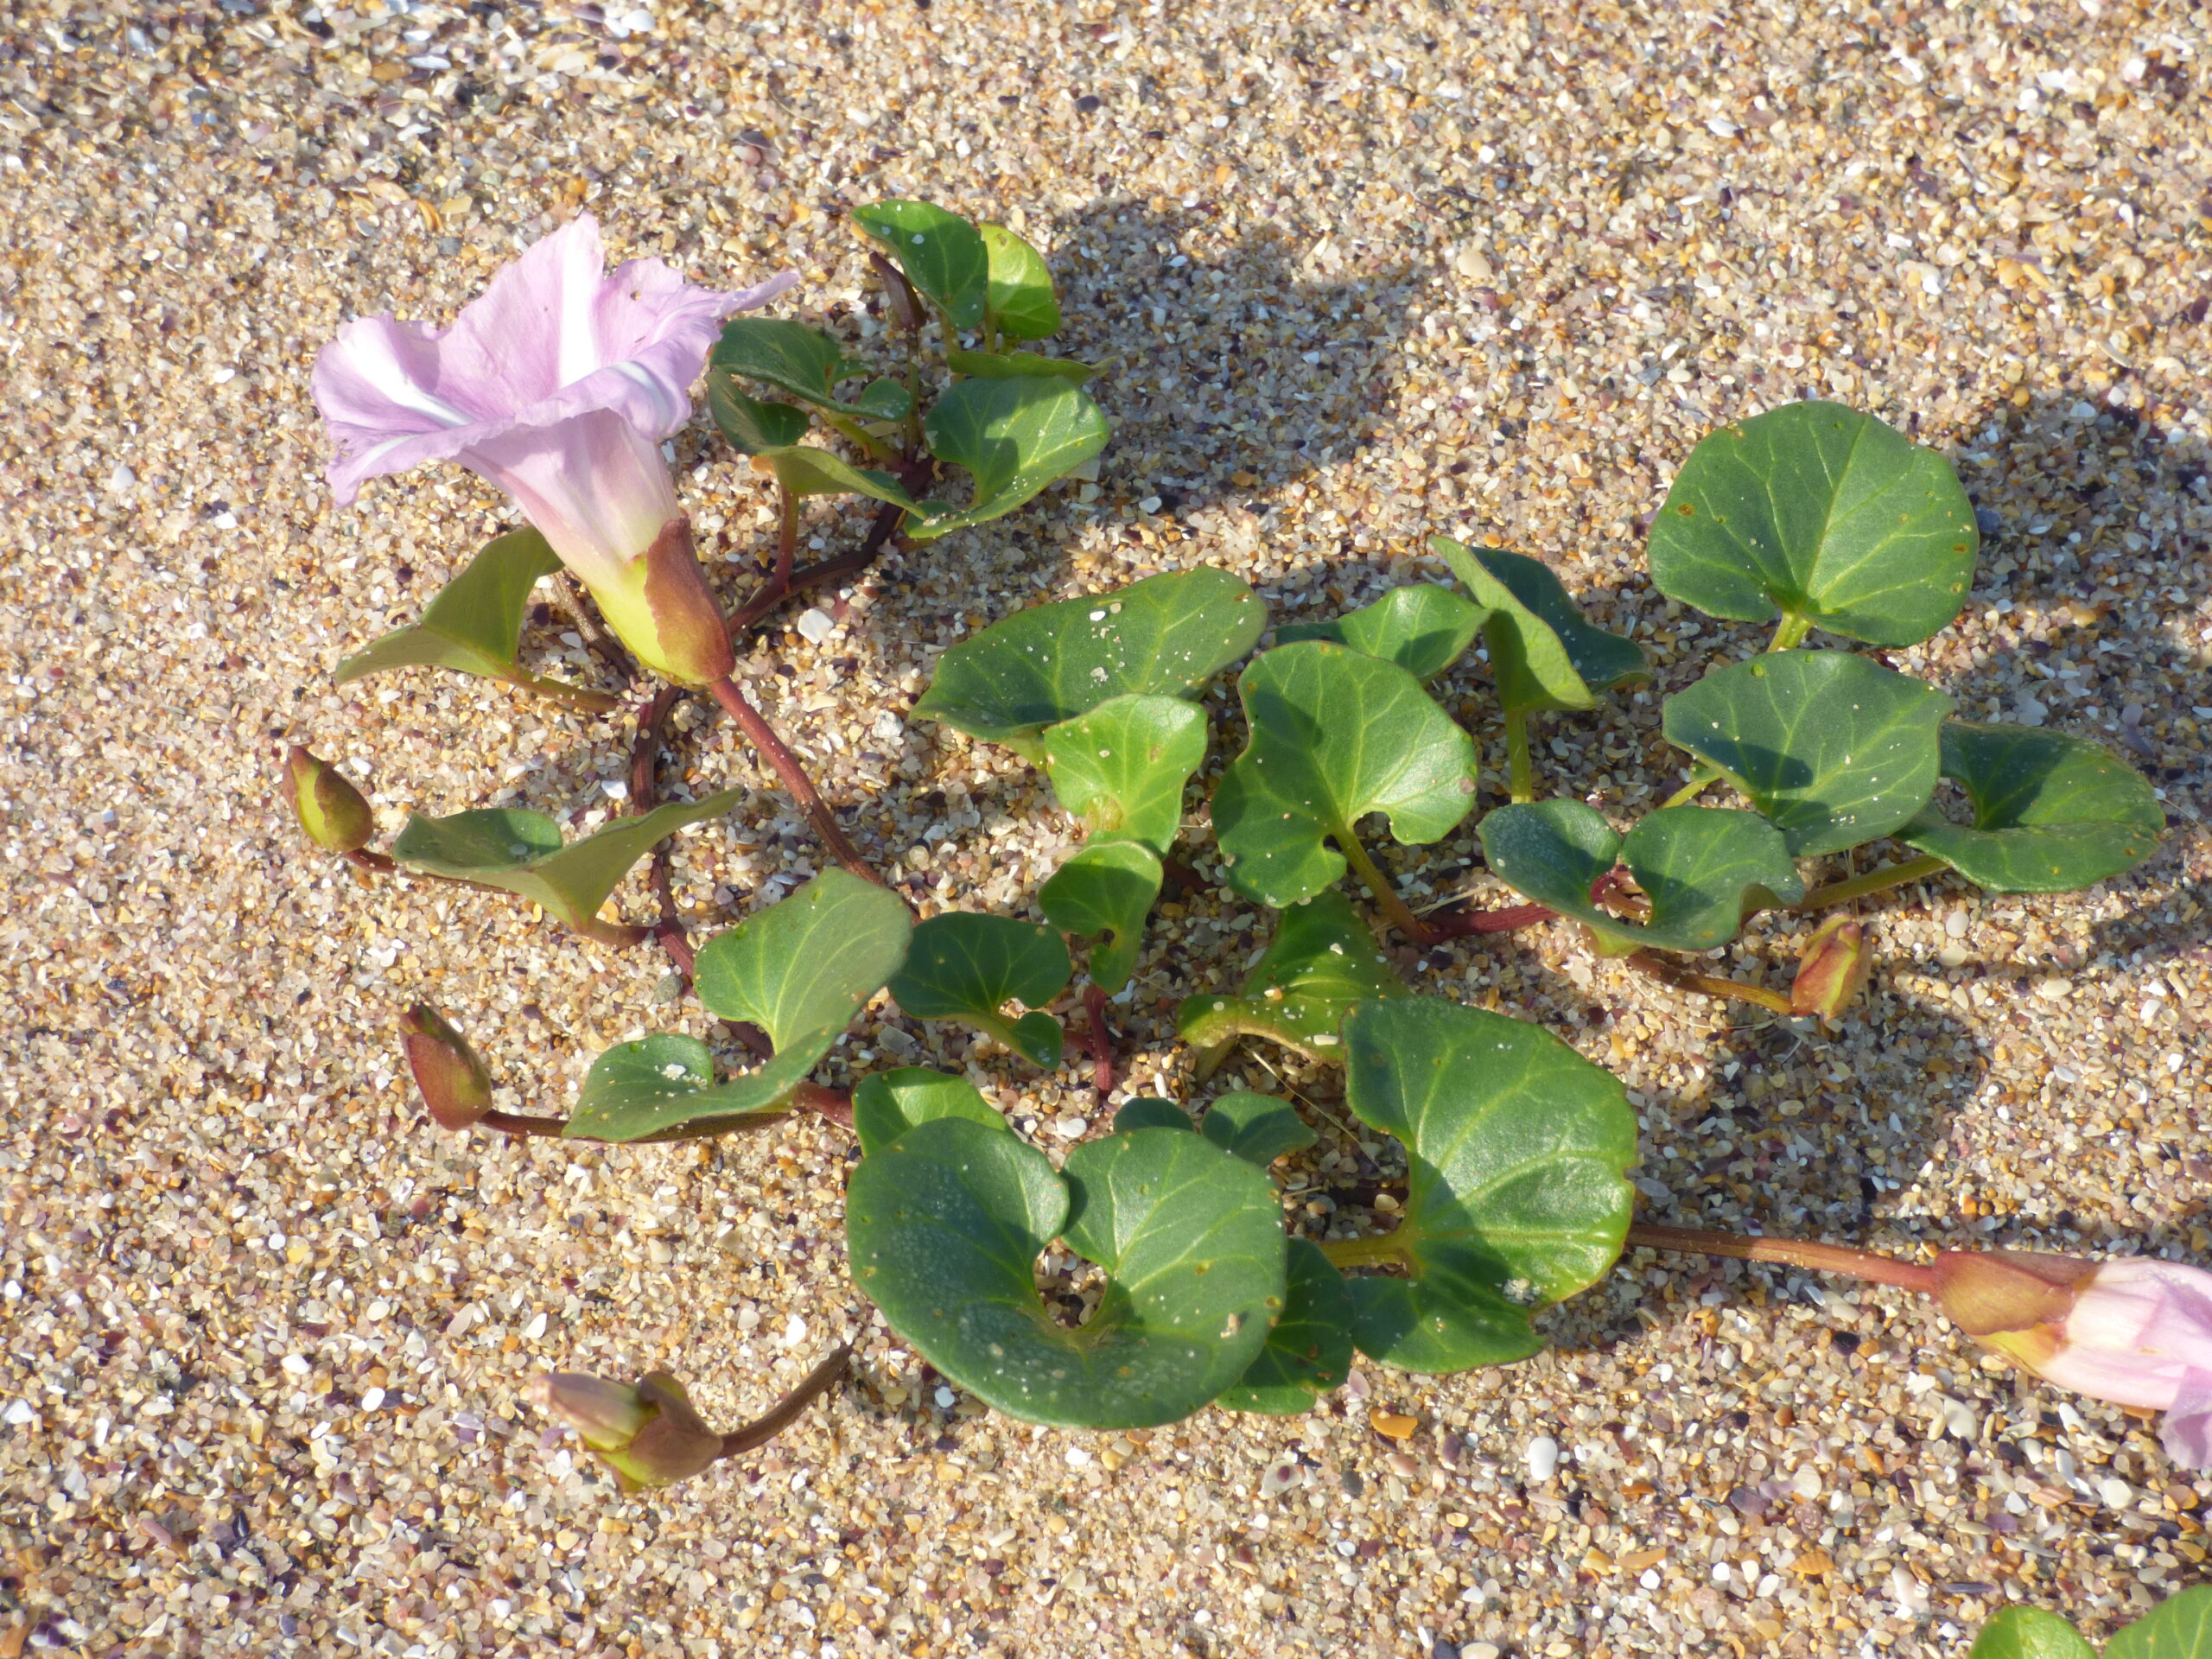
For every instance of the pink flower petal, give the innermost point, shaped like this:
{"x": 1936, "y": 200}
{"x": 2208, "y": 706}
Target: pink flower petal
{"x": 2187, "y": 1432}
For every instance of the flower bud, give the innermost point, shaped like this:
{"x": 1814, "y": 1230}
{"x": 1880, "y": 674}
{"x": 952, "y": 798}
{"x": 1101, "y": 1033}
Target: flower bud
{"x": 1832, "y": 970}
{"x": 454, "y": 1084}
{"x": 2136, "y": 1331}
{"x": 649, "y": 1435}
{"x": 330, "y": 809}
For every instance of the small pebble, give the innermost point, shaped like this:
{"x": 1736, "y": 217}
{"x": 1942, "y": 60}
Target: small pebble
{"x": 815, "y": 625}
{"x": 1543, "y": 1457}
{"x": 1391, "y": 1425}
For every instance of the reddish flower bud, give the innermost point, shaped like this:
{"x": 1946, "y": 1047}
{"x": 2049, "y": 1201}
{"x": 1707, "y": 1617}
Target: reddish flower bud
{"x": 649, "y": 1435}
{"x": 330, "y": 809}
{"x": 2136, "y": 1331}
{"x": 1832, "y": 970}
{"x": 454, "y": 1084}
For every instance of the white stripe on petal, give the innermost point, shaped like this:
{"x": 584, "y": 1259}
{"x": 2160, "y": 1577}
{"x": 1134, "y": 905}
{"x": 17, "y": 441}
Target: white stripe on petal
{"x": 580, "y": 278}
{"x": 367, "y": 351}
{"x": 667, "y": 410}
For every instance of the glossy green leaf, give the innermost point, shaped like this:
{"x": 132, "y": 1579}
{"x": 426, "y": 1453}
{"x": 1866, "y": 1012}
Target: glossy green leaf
{"x": 945, "y": 1226}
{"x": 1015, "y": 436}
{"x": 943, "y": 255}
{"x": 1011, "y": 366}
{"x": 1424, "y": 629}
{"x": 1322, "y": 964}
{"x": 1335, "y": 734}
{"x": 1835, "y": 749}
{"x": 1701, "y": 866}
{"x": 521, "y": 852}
{"x": 793, "y": 358}
{"x": 967, "y": 966}
{"x": 1021, "y": 304}
{"x": 1309, "y": 1349}
{"x": 2178, "y": 1628}
{"x": 2051, "y": 813}
{"x": 1121, "y": 768}
{"x": 1543, "y": 653}
{"x": 1258, "y": 1128}
{"x": 799, "y": 969}
{"x": 1518, "y": 1195}
{"x": 1166, "y": 634}
{"x": 1103, "y": 892}
{"x": 807, "y": 469}
{"x": 754, "y": 426}
{"x": 885, "y": 1105}
{"x": 1150, "y": 1112}
{"x": 474, "y": 625}
{"x": 2031, "y": 1633}
{"x": 1821, "y": 513}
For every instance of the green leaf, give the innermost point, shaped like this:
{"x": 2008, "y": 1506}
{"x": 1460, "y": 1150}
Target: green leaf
{"x": 1168, "y": 633}
{"x": 521, "y": 852}
{"x": 1835, "y": 749}
{"x": 1015, "y": 436}
{"x": 1335, "y": 734}
{"x": 1149, "y": 1112}
{"x": 1518, "y": 1197}
{"x": 2030, "y": 1633}
{"x": 2051, "y": 813}
{"x": 1424, "y": 629}
{"x": 2179, "y": 1628}
{"x": 967, "y": 966}
{"x": 753, "y": 426}
{"x": 1011, "y": 366}
{"x": 885, "y": 1105}
{"x": 1258, "y": 1128}
{"x": 792, "y": 357}
{"x": 474, "y": 625}
{"x": 943, "y": 255}
{"x": 1821, "y": 513}
{"x": 945, "y": 1226}
{"x": 799, "y": 969}
{"x": 1309, "y": 1349}
{"x": 1543, "y": 653}
{"x": 1121, "y": 767}
{"x": 1105, "y": 892}
{"x": 808, "y": 470}
{"x": 1020, "y": 304}
{"x": 1701, "y": 866}
{"x": 1322, "y": 965}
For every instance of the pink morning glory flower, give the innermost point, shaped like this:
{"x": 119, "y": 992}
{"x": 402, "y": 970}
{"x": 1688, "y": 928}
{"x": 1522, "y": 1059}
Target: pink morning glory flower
{"x": 556, "y": 385}
{"x": 2136, "y": 1331}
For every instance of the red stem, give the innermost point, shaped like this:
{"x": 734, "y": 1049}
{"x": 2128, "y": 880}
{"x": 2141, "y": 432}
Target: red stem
{"x": 801, "y": 788}
{"x": 1791, "y": 1252}
{"x": 376, "y": 863}
{"x": 786, "y": 1411}
{"x": 1452, "y": 924}
{"x": 1099, "y": 1038}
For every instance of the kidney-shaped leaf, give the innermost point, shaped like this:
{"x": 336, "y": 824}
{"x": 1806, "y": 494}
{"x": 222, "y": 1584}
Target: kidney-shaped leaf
{"x": 521, "y": 852}
{"x": 1542, "y": 651}
{"x": 885, "y": 1105}
{"x": 754, "y": 426}
{"x": 1121, "y": 768}
{"x": 1335, "y": 734}
{"x": 1166, "y": 634}
{"x": 943, "y": 255}
{"x": 1835, "y": 749}
{"x": 1517, "y": 1196}
{"x": 1151, "y": 1112}
{"x": 793, "y": 358}
{"x": 1103, "y": 892}
{"x": 1309, "y": 1350}
{"x": 1258, "y": 1128}
{"x": 2178, "y": 1628}
{"x": 2031, "y": 1633}
{"x": 1701, "y": 866}
{"x": 1021, "y": 304}
{"x": 1424, "y": 628}
{"x": 945, "y": 1226}
{"x": 1822, "y": 513}
{"x": 799, "y": 969}
{"x": 1014, "y": 435}
{"x": 967, "y": 966}
{"x": 2051, "y": 813}
{"x": 474, "y": 625}
{"x": 1322, "y": 964}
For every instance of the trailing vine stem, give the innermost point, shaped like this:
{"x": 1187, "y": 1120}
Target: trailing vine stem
{"x": 787, "y": 767}
{"x": 1687, "y": 979}
{"x": 835, "y": 1104}
{"x": 1870, "y": 881}
{"x": 1386, "y": 896}
{"x": 1098, "y": 1038}
{"x": 786, "y": 1411}
{"x": 1791, "y": 1252}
